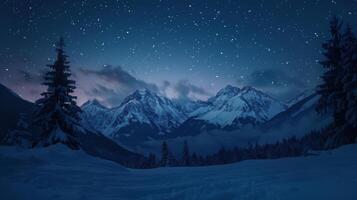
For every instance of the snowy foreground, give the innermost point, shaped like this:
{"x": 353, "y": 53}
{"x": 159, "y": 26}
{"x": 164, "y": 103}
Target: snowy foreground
{"x": 58, "y": 173}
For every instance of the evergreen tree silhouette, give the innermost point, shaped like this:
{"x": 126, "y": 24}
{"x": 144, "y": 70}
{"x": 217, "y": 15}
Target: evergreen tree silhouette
{"x": 349, "y": 78}
{"x": 331, "y": 87}
{"x": 186, "y": 160}
{"x": 164, "y": 155}
{"x": 58, "y": 113}
{"x": 338, "y": 89}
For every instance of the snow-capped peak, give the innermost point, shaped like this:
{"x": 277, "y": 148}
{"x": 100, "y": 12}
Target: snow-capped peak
{"x": 228, "y": 90}
{"x": 94, "y": 115}
{"x": 234, "y": 107}
{"x": 224, "y": 94}
{"x": 141, "y": 110}
{"x": 146, "y": 114}
{"x": 145, "y": 106}
{"x": 251, "y": 89}
{"x": 145, "y": 96}
{"x": 93, "y": 102}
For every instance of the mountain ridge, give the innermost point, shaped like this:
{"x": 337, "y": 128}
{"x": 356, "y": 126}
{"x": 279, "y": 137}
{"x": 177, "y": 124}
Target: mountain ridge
{"x": 146, "y": 115}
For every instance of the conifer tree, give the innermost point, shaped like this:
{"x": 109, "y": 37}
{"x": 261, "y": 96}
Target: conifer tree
{"x": 338, "y": 90}
{"x": 164, "y": 155}
{"x": 186, "y": 160}
{"x": 58, "y": 113}
{"x": 349, "y": 78}
{"x": 330, "y": 88}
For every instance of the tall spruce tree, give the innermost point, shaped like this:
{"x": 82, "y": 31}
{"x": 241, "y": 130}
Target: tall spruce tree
{"x": 167, "y": 158}
{"x": 186, "y": 160}
{"x": 58, "y": 113}
{"x": 338, "y": 90}
{"x": 330, "y": 88}
{"x": 164, "y": 155}
{"x": 349, "y": 78}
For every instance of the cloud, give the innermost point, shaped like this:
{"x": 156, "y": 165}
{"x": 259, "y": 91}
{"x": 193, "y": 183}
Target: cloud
{"x": 110, "y": 85}
{"x": 101, "y": 90}
{"x": 119, "y": 76}
{"x": 184, "y": 90}
{"x": 276, "y": 82}
{"x": 105, "y": 95}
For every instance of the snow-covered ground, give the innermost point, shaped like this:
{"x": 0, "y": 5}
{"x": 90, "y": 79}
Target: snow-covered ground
{"x": 58, "y": 173}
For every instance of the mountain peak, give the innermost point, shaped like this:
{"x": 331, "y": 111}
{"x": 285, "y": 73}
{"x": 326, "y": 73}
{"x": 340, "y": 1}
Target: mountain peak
{"x": 140, "y": 95}
{"x": 93, "y": 102}
{"x": 234, "y": 107}
{"x": 249, "y": 88}
{"x": 252, "y": 90}
{"x": 232, "y": 90}
{"x": 228, "y": 90}
{"x": 144, "y": 92}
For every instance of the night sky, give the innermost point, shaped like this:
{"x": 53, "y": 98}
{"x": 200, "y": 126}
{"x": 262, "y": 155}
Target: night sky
{"x": 181, "y": 49}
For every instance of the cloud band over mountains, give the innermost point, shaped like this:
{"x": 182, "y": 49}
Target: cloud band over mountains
{"x": 111, "y": 84}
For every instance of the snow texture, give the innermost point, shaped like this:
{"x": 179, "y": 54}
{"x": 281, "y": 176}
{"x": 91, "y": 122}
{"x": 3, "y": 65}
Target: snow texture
{"x": 58, "y": 173}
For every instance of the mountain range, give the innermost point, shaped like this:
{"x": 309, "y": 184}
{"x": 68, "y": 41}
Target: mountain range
{"x": 141, "y": 116}
{"x": 232, "y": 108}
{"x": 145, "y": 115}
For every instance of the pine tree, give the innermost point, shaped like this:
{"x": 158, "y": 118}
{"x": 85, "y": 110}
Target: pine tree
{"x": 338, "y": 90}
{"x": 186, "y": 160}
{"x": 58, "y": 113}
{"x": 20, "y": 135}
{"x": 330, "y": 89}
{"x": 164, "y": 155}
{"x": 349, "y": 78}
{"x": 346, "y": 129}
{"x": 332, "y": 98}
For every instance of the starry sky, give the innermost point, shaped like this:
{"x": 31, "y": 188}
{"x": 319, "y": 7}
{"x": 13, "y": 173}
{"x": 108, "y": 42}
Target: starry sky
{"x": 181, "y": 49}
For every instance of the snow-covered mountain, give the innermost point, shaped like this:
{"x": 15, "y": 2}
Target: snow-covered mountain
{"x": 145, "y": 115}
{"x": 188, "y": 106}
{"x": 300, "y": 97}
{"x": 299, "y": 120}
{"x": 142, "y": 115}
{"x": 95, "y": 116}
{"x": 145, "y": 106}
{"x": 232, "y": 108}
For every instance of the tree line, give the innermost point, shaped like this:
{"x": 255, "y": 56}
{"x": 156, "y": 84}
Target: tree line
{"x": 290, "y": 147}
